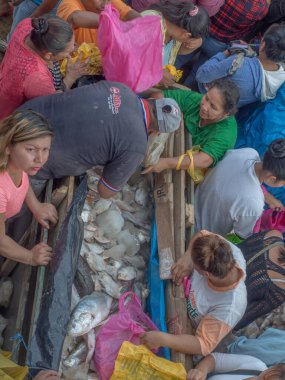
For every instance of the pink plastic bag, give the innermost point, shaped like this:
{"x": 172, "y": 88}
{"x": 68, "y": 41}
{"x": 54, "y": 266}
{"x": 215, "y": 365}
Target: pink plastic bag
{"x": 127, "y": 324}
{"x": 271, "y": 220}
{"x": 131, "y": 51}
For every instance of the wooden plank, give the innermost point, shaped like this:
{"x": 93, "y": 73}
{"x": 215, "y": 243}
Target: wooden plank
{"x": 58, "y": 195}
{"x": 189, "y": 189}
{"x": 175, "y": 306}
{"x": 189, "y": 231}
{"x": 40, "y": 271}
{"x": 18, "y": 313}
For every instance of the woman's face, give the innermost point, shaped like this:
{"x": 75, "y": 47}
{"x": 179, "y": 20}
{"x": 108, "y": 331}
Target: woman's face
{"x": 212, "y": 107}
{"x": 96, "y": 6}
{"x": 29, "y": 156}
{"x": 66, "y": 53}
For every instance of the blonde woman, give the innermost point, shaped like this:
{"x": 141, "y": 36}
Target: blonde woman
{"x": 25, "y": 139}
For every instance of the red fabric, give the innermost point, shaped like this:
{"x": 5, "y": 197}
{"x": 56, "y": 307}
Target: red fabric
{"x": 236, "y": 17}
{"x": 23, "y": 74}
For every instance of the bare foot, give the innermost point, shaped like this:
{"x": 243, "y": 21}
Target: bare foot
{"x": 183, "y": 267}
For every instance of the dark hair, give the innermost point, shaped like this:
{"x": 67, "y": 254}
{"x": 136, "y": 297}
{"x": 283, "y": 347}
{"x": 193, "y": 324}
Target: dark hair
{"x": 179, "y": 13}
{"x": 274, "y": 159}
{"x": 213, "y": 254}
{"x": 20, "y": 126}
{"x": 274, "y": 39}
{"x": 50, "y": 34}
{"x": 230, "y": 94}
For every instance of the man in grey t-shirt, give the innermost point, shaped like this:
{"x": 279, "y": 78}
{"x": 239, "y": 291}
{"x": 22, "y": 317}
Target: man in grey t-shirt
{"x": 102, "y": 124}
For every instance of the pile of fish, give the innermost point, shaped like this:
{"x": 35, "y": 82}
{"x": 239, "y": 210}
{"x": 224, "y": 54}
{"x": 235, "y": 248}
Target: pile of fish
{"x": 274, "y": 319}
{"x": 113, "y": 259}
{"x": 6, "y": 290}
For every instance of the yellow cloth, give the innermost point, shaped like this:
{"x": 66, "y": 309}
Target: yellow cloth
{"x": 86, "y": 51}
{"x": 137, "y": 362}
{"x": 67, "y": 7}
{"x": 9, "y": 370}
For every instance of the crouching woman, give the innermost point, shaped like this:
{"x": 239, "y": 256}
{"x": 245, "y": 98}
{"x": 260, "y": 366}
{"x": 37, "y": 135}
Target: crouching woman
{"x": 25, "y": 139}
{"x": 215, "y": 294}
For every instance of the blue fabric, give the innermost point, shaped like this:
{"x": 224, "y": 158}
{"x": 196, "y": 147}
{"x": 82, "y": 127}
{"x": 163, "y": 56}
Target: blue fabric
{"x": 268, "y": 347}
{"x": 24, "y": 10}
{"x": 258, "y": 128}
{"x": 155, "y": 301}
{"x": 248, "y": 77}
{"x": 166, "y": 52}
{"x": 211, "y": 46}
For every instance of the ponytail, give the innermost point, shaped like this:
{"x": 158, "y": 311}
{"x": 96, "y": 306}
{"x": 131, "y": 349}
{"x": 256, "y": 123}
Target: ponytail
{"x": 213, "y": 254}
{"x": 185, "y": 15}
{"x": 50, "y": 34}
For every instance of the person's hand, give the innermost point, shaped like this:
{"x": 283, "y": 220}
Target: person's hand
{"x": 49, "y": 375}
{"x": 151, "y": 339}
{"x": 161, "y": 165}
{"x": 227, "y": 53}
{"x": 44, "y": 213}
{"x": 41, "y": 254}
{"x": 196, "y": 374}
{"x": 78, "y": 68}
{"x": 193, "y": 43}
{"x": 183, "y": 267}
{"x": 275, "y": 204}
{"x": 167, "y": 80}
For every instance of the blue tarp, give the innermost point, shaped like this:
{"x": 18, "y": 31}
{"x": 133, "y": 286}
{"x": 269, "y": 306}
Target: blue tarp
{"x": 260, "y": 124}
{"x": 155, "y": 301}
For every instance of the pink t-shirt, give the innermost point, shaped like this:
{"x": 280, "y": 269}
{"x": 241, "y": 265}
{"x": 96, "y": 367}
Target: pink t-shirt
{"x": 12, "y": 197}
{"x": 23, "y": 74}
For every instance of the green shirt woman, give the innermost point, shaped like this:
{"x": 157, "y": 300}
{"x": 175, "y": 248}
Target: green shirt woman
{"x": 210, "y": 120}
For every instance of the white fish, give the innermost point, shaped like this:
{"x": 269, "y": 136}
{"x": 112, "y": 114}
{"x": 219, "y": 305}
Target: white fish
{"x": 87, "y": 214}
{"x": 129, "y": 241}
{"x": 109, "y": 285}
{"x": 128, "y": 194}
{"x": 98, "y": 264}
{"x": 123, "y": 205}
{"x": 88, "y": 236}
{"x": 141, "y": 197}
{"x": 102, "y": 205}
{"x": 90, "y": 226}
{"x": 140, "y": 276}
{"x": 117, "y": 252}
{"x": 97, "y": 285}
{"x": 88, "y": 313}
{"x": 95, "y": 248}
{"x": 136, "y": 261}
{"x": 77, "y": 356}
{"x": 99, "y": 237}
{"x": 127, "y": 273}
{"x": 137, "y": 219}
{"x": 111, "y": 222}
{"x": 91, "y": 340}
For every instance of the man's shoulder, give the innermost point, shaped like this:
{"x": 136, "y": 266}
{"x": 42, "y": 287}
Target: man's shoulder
{"x": 66, "y": 7}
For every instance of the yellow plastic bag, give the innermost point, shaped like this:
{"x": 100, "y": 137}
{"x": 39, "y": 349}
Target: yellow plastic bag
{"x": 138, "y": 363}
{"x": 173, "y": 71}
{"x": 10, "y": 370}
{"x": 87, "y": 50}
{"x": 197, "y": 175}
